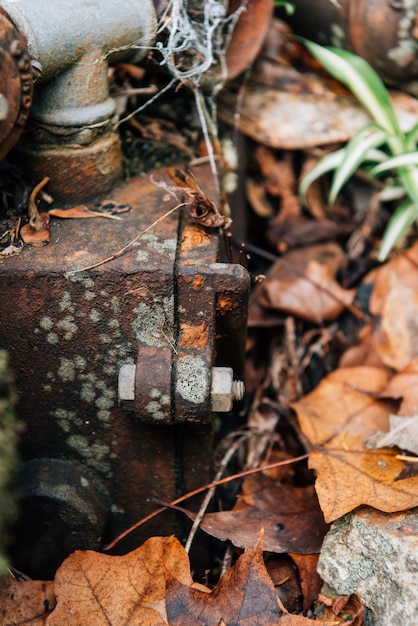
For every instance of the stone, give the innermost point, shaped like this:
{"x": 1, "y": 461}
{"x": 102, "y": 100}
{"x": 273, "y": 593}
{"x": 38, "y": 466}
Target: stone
{"x": 375, "y": 556}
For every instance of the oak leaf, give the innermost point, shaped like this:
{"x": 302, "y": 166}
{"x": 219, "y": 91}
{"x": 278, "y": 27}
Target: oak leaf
{"x": 244, "y": 596}
{"x": 337, "y": 417}
{"x": 118, "y": 590}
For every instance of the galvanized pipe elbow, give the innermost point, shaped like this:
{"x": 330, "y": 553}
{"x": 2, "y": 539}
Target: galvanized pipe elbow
{"x": 73, "y": 41}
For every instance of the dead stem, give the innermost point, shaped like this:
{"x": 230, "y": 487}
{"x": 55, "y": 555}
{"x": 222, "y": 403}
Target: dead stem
{"x": 222, "y": 466}
{"x": 35, "y": 219}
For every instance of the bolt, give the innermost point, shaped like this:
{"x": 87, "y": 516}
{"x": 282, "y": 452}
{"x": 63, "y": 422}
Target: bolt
{"x": 126, "y": 386}
{"x": 224, "y": 391}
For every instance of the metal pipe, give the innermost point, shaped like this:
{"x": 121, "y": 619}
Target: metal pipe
{"x": 72, "y": 135}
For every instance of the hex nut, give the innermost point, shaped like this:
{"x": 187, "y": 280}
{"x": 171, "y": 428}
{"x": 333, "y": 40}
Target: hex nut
{"x": 225, "y": 389}
{"x": 126, "y": 386}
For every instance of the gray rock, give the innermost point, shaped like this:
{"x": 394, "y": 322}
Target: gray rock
{"x": 375, "y": 555}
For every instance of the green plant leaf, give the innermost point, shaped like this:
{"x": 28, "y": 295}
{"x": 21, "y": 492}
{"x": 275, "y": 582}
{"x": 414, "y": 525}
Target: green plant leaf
{"x": 411, "y": 138}
{"x": 356, "y": 152}
{"x": 402, "y": 219}
{"x": 361, "y": 79}
{"x": 392, "y": 192}
{"x": 402, "y": 160}
{"x": 328, "y": 163}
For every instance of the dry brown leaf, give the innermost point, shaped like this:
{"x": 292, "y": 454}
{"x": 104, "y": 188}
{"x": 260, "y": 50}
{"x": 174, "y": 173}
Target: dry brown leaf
{"x": 80, "y": 212}
{"x": 302, "y": 283}
{"x": 245, "y": 595}
{"x": 292, "y": 518}
{"x": 346, "y": 609}
{"x": 283, "y": 533}
{"x": 393, "y": 338}
{"x": 337, "y": 417}
{"x": 405, "y": 386}
{"x": 315, "y": 297}
{"x": 118, "y": 590}
{"x": 40, "y": 237}
{"x": 310, "y": 581}
{"x": 403, "y": 433}
{"x": 25, "y": 601}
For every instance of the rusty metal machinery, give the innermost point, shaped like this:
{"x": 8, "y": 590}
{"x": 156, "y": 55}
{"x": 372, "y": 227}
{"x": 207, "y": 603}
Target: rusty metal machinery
{"x": 384, "y": 32}
{"x": 118, "y": 369}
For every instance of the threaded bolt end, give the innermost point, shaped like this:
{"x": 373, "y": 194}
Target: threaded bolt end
{"x": 238, "y": 389}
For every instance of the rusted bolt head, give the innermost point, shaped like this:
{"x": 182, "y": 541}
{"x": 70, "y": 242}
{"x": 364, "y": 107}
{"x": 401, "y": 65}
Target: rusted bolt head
{"x": 225, "y": 389}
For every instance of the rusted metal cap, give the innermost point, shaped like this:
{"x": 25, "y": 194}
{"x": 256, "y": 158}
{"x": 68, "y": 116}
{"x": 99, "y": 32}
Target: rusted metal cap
{"x": 16, "y": 84}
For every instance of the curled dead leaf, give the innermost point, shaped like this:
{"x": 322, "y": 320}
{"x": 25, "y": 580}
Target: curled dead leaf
{"x": 302, "y": 284}
{"x": 37, "y": 237}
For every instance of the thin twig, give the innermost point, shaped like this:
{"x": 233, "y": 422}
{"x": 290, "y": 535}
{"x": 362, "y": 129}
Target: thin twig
{"x": 128, "y": 245}
{"x": 208, "y": 497}
{"x": 195, "y": 492}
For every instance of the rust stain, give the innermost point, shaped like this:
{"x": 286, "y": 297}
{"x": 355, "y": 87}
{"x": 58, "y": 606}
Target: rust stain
{"x": 225, "y": 304}
{"x": 194, "y": 237}
{"x": 194, "y": 336}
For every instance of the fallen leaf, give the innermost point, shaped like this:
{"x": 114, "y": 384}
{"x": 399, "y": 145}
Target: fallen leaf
{"x": 405, "y": 386}
{"x": 283, "y": 533}
{"x": 310, "y": 580}
{"x": 305, "y": 287}
{"x": 244, "y": 596}
{"x": 337, "y": 417}
{"x": 118, "y": 590}
{"x": 37, "y": 238}
{"x": 392, "y": 338}
{"x": 403, "y": 433}
{"x": 284, "y": 574}
{"x": 25, "y": 601}
{"x": 315, "y": 297}
{"x": 348, "y": 609}
{"x": 80, "y": 212}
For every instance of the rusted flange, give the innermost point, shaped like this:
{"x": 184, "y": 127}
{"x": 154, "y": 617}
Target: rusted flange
{"x": 16, "y": 84}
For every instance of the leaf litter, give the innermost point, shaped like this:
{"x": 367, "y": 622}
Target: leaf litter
{"x": 331, "y": 373}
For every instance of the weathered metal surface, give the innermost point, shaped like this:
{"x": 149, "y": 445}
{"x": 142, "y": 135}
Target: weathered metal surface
{"x": 77, "y": 173}
{"x": 68, "y": 335}
{"x": 382, "y": 32}
{"x": 67, "y": 498}
{"x": 16, "y": 84}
